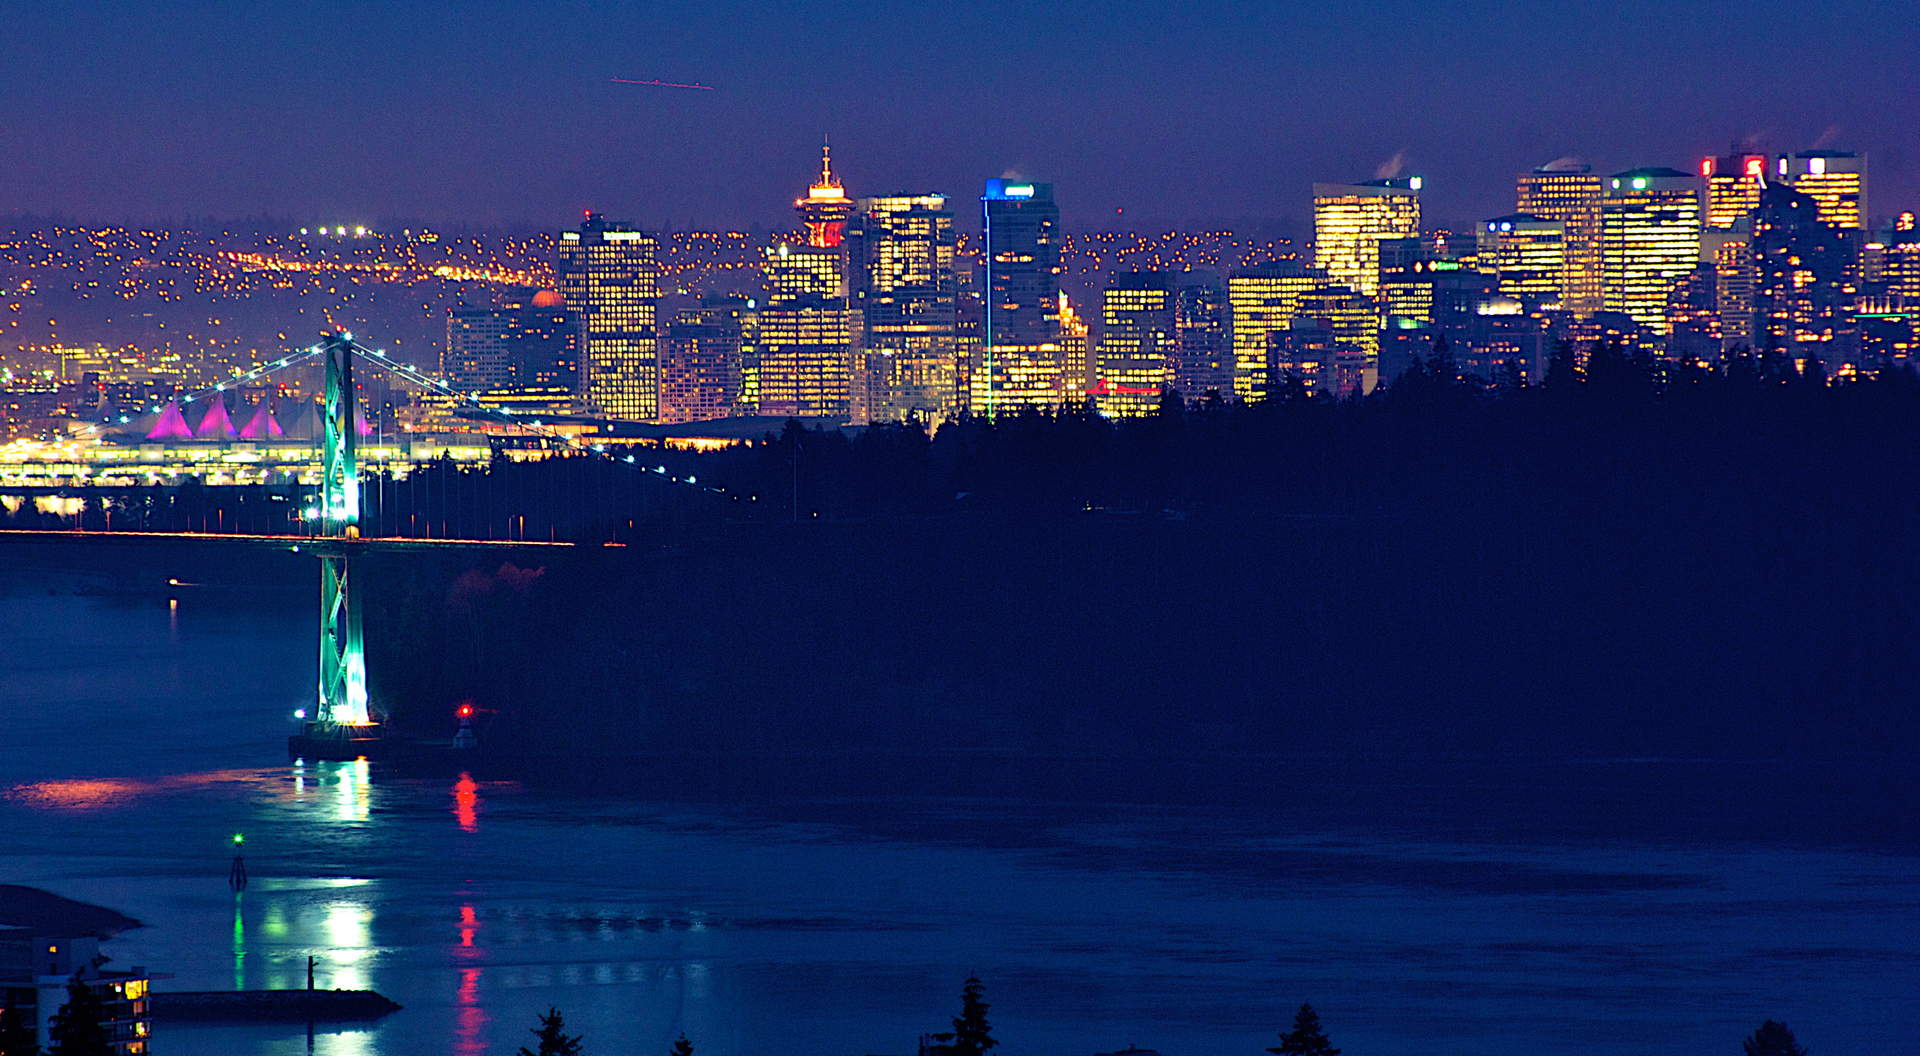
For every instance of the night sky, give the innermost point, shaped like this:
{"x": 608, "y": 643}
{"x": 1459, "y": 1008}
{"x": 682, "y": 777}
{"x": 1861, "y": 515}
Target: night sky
{"x": 501, "y": 113}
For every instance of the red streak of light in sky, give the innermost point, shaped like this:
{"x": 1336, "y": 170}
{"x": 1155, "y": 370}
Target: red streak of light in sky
{"x": 663, "y": 84}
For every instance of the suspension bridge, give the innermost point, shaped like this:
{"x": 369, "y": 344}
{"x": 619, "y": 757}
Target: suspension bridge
{"x": 344, "y": 723}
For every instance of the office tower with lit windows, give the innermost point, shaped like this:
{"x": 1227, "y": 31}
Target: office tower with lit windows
{"x": 1528, "y": 256}
{"x": 1332, "y": 344}
{"x": 1571, "y": 194}
{"x": 804, "y": 359}
{"x": 700, "y": 365}
{"x": 1804, "y": 278}
{"x": 1649, "y": 240}
{"x": 906, "y": 290}
{"x": 610, "y": 278}
{"x": 1733, "y": 188}
{"x": 1262, "y": 299}
{"x": 1203, "y": 360}
{"x": 1139, "y": 338}
{"x": 1900, "y": 262}
{"x": 1021, "y": 363}
{"x": 1076, "y": 351}
{"x": 1694, "y": 333}
{"x": 514, "y": 352}
{"x": 1836, "y": 179}
{"x": 1349, "y": 222}
{"x": 1731, "y": 253}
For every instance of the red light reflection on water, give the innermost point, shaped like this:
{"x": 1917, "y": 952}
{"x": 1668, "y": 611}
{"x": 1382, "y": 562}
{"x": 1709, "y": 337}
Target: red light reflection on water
{"x": 113, "y": 793}
{"x": 466, "y": 803}
{"x": 469, "y": 1019}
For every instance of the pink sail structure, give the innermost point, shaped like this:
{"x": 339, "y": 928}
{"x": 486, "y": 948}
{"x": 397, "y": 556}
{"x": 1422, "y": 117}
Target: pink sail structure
{"x": 263, "y": 425}
{"x": 172, "y": 424}
{"x": 216, "y": 425}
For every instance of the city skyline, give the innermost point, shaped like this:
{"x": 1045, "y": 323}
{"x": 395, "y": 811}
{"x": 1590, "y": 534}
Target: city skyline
{"x": 508, "y": 115}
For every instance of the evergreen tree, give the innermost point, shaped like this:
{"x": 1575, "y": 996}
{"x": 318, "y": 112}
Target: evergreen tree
{"x": 682, "y": 1047}
{"x": 554, "y": 1040}
{"x": 79, "y": 1028}
{"x": 1306, "y": 1038}
{"x": 16, "y": 1037}
{"x": 971, "y": 1035}
{"x": 1773, "y": 1039}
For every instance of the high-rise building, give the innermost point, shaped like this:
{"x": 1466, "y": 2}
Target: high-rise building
{"x": 1262, "y": 299}
{"x": 1021, "y": 362}
{"x": 1693, "y": 317}
{"x": 1837, "y": 179}
{"x": 907, "y": 292}
{"x": 1076, "y": 351}
{"x": 1733, "y": 187}
{"x": 1804, "y": 284}
{"x": 1203, "y": 360}
{"x": 512, "y": 351}
{"x": 825, "y": 209}
{"x": 1900, "y": 264}
{"x": 1649, "y": 239}
{"x": 700, "y": 368}
{"x": 1528, "y": 255}
{"x": 1138, "y": 341}
{"x": 1731, "y": 252}
{"x": 1349, "y": 222}
{"x": 804, "y": 359}
{"x": 1570, "y": 193}
{"x": 610, "y": 277}
{"x": 1333, "y": 343}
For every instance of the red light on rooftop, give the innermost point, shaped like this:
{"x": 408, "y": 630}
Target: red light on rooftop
{"x": 1754, "y": 166}
{"x": 1706, "y": 166}
{"x": 465, "y": 711}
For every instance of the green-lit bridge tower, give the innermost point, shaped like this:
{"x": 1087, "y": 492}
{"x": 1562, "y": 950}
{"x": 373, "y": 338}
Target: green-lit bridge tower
{"x": 342, "y": 725}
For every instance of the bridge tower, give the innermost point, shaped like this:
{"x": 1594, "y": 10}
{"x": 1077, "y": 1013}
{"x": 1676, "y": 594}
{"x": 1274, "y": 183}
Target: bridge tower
{"x": 342, "y": 725}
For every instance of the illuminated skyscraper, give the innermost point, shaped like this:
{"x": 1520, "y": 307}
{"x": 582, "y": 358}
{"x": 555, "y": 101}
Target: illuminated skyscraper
{"x": 1571, "y": 194}
{"x": 610, "y": 275}
{"x": 803, "y": 366}
{"x": 1021, "y": 362}
{"x": 700, "y": 367}
{"x": 1804, "y": 277}
{"x": 1076, "y": 350}
{"x": 1731, "y": 252}
{"x": 1900, "y": 268}
{"x": 1733, "y": 187}
{"x": 1349, "y": 222}
{"x": 1333, "y": 343}
{"x": 1137, "y": 344}
{"x": 1203, "y": 361}
{"x": 825, "y": 209}
{"x": 514, "y": 349}
{"x": 1649, "y": 239}
{"x": 1528, "y": 255}
{"x": 1262, "y": 299}
{"x": 1836, "y": 179}
{"x": 907, "y": 291}
{"x": 804, "y": 273}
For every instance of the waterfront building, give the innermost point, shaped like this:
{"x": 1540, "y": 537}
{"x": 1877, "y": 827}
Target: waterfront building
{"x": 1138, "y": 342}
{"x": 1835, "y": 179}
{"x": 1650, "y": 239}
{"x": 1021, "y": 362}
{"x": 1528, "y": 256}
{"x": 610, "y": 279}
{"x": 906, "y": 289}
{"x": 36, "y": 969}
{"x": 1571, "y": 194}
{"x": 1262, "y": 299}
{"x": 493, "y": 351}
{"x": 1350, "y": 221}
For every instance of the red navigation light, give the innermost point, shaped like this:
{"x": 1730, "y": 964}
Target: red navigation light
{"x": 465, "y": 711}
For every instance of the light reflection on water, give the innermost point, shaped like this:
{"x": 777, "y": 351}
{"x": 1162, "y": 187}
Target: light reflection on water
{"x": 477, "y": 904}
